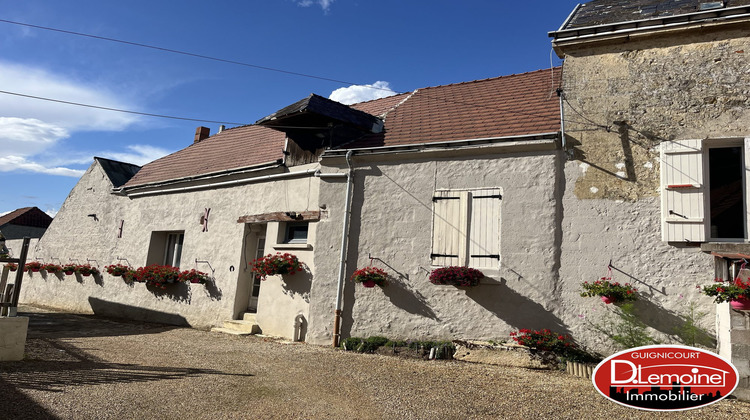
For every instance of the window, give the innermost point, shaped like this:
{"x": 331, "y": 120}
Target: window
{"x": 703, "y": 190}
{"x": 165, "y": 248}
{"x": 295, "y": 233}
{"x": 466, "y": 228}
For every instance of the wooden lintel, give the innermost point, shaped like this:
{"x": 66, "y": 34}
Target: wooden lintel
{"x": 301, "y": 216}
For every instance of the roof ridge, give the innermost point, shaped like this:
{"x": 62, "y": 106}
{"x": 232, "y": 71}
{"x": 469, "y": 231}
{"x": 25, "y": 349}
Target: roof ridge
{"x": 507, "y": 76}
{"x": 384, "y": 115}
{"x": 116, "y": 161}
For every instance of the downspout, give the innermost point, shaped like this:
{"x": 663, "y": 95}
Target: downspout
{"x": 564, "y": 144}
{"x": 344, "y": 244}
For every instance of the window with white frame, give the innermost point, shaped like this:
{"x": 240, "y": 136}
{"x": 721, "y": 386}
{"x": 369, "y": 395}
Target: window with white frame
{"x": 466, "y": 228}
{"x": 704, "y": 190}
{"x": 165, "y": 248}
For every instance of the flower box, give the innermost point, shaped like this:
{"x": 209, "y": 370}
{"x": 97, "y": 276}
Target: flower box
{"x": 69, "y": 269}
{"x": 193, "y": 276}
{"x": 157, "y": 275}
{"x": 740, "y": 304}
{"x": 276, "y": 264}
{"x": 456, "y": 276}
{"x": 33, "y": 266}
{"x": 87, "y": 270}
{"x": 52, "y": 268}
{"x": 116, "y": 270}
{"x": 729, "y": 291}
{"x": 370, "y": 277}
{"x": 12, "y": 266}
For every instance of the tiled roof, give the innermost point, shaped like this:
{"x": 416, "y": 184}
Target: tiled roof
{"x": 605, "y": 12}
{"x": 516, "y": 105}
{"x": 235, "y": 148}
{"x": 26, "y": 216}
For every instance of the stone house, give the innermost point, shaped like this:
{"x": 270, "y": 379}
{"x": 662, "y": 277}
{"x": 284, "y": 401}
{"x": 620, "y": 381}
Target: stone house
{"x": 657, "y": 117}
{"x": 487, "y": 174}
{"x": 26, "y": 221}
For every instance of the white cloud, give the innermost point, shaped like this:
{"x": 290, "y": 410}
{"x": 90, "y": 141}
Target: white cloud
{"x": 28, "y": 136}
{"x": 361, "y": 93}
{"x": 138, "y": 154}
{"x": 19, "y": 163}
{"x": 324, "y": 4}
{"x": 37, "y": 82}
{"x": 52, "y": 212}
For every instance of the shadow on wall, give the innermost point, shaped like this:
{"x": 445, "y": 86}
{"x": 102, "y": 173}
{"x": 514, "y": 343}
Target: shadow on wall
{"x": 178, "y": 292}
{"x": 212, "y": 290}
{"x": 297, "y": 284}
{"x": 410, "y": 300}
{"x": 516, "y": 310}
{"x": 119, "y": 310}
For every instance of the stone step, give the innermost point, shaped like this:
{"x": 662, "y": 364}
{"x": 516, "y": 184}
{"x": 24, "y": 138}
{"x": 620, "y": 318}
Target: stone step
{"x": 228, "y": 331}
{"x": 248, "y": 316}
{"x": 241, "y": 325}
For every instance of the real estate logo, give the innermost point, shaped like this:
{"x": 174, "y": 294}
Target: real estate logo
{"x": 665, "y": 378}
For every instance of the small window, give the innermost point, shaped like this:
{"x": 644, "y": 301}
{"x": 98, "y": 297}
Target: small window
{"x": 295, "y": 233}
{"x": 466, "y": 228}
{"x": 165, "y": 248}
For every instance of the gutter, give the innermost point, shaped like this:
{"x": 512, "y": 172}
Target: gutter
{"x": 644, "y": 25}
{"x": 533, "y": 139}
{"x": 224, "y": 183}
{"x": 344, "y": 244}
{"x": 122, "y": 190}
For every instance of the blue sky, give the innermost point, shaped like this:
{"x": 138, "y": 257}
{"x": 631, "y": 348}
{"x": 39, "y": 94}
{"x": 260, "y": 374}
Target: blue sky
{"x": 401, "y": 45}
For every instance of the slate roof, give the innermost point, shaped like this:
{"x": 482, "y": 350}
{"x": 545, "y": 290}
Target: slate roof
{"x": 118, "y": 172}
{"x": 605, "y": 12}
{"x": 319, "y": 105}
{"x": 26, "y": 216}
{"x": 515, "y": 105}
{"x": 234, "y": 148}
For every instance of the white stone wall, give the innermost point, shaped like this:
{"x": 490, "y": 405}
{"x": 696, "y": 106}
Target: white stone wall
{"x": 76, "y": 236}
{"x": 392, "y": 221}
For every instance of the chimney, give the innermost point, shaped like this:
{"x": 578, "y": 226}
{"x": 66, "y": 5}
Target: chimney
{"x": 222, "y": 128}
{"x": 201, "y": 133}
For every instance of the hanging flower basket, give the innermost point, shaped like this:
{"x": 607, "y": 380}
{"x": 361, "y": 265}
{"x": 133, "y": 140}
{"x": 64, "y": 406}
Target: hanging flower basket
{"x": 456, "y": 276}
{"x": 52, "y": 268}
{"x": 729, "y": 291}
{"x": 278, "y": 264}
{"x": 69, "y": 269}
{"x": 193, "y": 276}
{"x": 87, "y": 270}
{"x": 33, "y": 266}
{"x": 116, "y": 270}
{"x": 609, "y": 291}
{"x": 370, "y": 277}
{"x": 12, "y": 266}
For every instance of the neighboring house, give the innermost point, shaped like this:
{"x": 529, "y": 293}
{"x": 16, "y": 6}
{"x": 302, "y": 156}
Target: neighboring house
{"x": 480, "y": 173}
{"x": 27, "y": 221}
{"x": 657, "y": 116}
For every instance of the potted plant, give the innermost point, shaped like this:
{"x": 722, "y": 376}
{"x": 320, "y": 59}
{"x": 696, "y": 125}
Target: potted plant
{"x": 52, "y": 268}
{"x": 12, "y": 266}
{"x": 457, "y": 276}
{"x": 276, "y": 264}
{"x": 193, "y": 276}
{"x": 733, "y": 291}
{"x": 69, "y": 269}
{"x": 33, "y": 266}
{"x": 370, "y": 277}
{"x": 87, "y": 270}
{"x": 116, "y": 270}
{"x": 609, "y": 291}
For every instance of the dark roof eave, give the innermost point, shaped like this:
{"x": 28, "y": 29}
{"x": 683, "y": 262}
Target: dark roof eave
{"x": 445, "y": 144}
{"x": 157, "y": 184}
{"x": 667, "y": 22}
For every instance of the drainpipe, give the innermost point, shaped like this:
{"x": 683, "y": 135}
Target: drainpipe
{"x": 562, "y": 120}
{"x": 344, "y": 243}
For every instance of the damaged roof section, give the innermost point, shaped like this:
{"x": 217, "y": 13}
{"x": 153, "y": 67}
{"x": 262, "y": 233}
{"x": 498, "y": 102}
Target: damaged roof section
{"x": 316, "y": 122}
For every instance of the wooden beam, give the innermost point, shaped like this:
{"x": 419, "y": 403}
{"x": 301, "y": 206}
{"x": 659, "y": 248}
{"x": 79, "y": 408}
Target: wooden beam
{"x": 280, "y": 216}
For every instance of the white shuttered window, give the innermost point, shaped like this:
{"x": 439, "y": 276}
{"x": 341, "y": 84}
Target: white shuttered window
{"x": 466, "y": 228}
{"x": 682, "y": 191}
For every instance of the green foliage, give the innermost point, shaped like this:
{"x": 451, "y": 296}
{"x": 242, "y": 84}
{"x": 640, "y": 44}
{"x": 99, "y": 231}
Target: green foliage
{"x": 351, "y": 343}
{"x": 727, "y": 291}
{"x": 443, "y": 349}
{"x": 613, "y": 290}
{"x": 561, "y": 345}
{"x": 627, "y": 330}
{"x": 690, "y": 333}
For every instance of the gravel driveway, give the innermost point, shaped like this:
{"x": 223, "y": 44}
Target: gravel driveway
{"x": 84, "y": 367}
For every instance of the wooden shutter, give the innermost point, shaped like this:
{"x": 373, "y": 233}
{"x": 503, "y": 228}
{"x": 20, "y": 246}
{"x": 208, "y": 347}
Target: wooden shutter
{"x": 449, "y": 226}
{"x": 682, "y": 191}
{"x": 484, "y": 237}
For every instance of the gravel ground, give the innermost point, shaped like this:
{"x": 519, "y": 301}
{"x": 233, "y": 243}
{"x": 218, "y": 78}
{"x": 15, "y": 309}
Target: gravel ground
{"x": 84, "y": 367}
